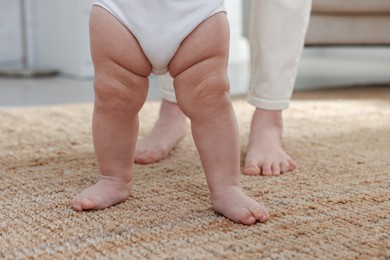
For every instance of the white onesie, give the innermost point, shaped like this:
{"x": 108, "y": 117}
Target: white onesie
{"x": 161, "y": 25}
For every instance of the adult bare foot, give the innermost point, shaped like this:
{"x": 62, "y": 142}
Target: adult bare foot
{"x": 106, "y": 192}
{"x": 265, "y": 155}
{"x": 231, "y": 202}
{"x": 167, "y": 132}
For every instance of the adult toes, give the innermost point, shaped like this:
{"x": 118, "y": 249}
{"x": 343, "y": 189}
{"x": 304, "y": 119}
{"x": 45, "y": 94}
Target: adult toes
{"x": 292, "y": 165}
{"x": 275, "y": 169}
{"x": 251, "y": 168}
{"x": 266, "y": 169}
{"x": 284, "y": 167}
{"x": 147, "y": 157}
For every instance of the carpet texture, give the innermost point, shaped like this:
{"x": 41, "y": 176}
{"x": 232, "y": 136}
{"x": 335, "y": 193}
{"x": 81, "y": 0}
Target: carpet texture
{"x": 336, "y": 205}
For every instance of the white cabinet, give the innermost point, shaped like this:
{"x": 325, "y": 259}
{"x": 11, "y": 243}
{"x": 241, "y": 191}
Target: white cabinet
{"x": 10, "y": 34}
{"x": 62, "y": 36}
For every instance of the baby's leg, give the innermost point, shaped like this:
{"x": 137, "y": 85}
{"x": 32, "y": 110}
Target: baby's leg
{"x": 202, "y": 90}
{"x": 121, "y": 86}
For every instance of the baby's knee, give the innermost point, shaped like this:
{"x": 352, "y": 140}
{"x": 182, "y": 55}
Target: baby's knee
{"x": 214, "y": 86}
{"x": 210, "y": 93}
{"x": 113, "y": 94}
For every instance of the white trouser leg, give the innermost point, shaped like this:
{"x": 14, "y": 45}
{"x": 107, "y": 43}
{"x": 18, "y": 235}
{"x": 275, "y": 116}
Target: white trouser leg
{"x": 277, "y": 32}
{"x": 167, "y": 91}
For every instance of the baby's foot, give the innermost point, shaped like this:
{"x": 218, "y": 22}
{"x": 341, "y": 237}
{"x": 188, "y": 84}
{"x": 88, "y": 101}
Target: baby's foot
{"x": 105, "y": 193}
{"x": 265, "y": 155}
{"x": 231, "y": 202}
{"x": 169, "y": 129}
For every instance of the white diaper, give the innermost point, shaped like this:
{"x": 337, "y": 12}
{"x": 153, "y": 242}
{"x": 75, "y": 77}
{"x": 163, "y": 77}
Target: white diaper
{"x": 161, "y": 25}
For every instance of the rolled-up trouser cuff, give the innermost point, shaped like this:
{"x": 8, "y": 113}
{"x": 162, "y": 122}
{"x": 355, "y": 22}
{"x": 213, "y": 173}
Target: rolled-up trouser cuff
{"x": 268, "y": 104}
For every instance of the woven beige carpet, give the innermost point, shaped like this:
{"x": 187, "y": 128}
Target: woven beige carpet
{"x": 335, "y": 206}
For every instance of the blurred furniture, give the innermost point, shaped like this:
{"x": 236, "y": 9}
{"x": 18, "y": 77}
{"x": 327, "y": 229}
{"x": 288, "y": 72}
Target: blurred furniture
{"x": 62, "y": 36}
{"x": 10, "y": 47}
{"x": 349, "y": 22}
{"x": 26, "y": 70}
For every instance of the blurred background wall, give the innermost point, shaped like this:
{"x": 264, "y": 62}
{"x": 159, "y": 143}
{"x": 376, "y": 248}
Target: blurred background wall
{"x": 10, "y": 33}
{"x": 57, "y": 37}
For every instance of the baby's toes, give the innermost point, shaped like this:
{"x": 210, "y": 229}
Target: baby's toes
{"x": 259, "y": 213}
{"x": 88, "y": 204}
{"x": 76, "y": 204}
{"x": 247, "y": 217}
{"x": 80, "y": 204}
{"x": 264, "y": 216}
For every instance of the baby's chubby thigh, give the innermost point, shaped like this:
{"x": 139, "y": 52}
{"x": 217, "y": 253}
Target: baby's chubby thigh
{"x": 208, "y": 40}
{"x": 119, "y": 62}
{"x": 199, "y": 67}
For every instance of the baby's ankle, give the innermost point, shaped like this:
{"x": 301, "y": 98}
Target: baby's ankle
{"x": 118, "y": 180}
{"x": 221, "y": 189}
